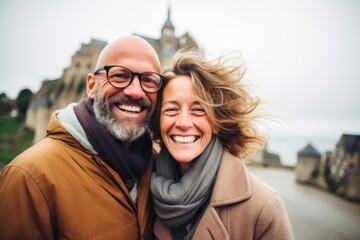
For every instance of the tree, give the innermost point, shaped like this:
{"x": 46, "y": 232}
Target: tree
{"x": 23, "y": 100}
{"x": 5, "y": 105}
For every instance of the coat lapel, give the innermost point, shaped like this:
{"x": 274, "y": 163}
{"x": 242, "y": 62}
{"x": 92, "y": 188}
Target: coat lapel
{"x": 232, "y": 185}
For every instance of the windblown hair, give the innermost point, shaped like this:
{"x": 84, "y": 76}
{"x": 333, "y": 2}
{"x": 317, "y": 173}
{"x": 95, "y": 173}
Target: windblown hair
{"x": 227, "y": 103}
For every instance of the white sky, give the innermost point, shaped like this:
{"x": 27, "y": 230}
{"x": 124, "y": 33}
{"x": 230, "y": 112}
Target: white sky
{"x": 303, "y": 55}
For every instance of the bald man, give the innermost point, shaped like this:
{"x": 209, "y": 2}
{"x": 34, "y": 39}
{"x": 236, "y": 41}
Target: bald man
{"x": 89, "y": 178}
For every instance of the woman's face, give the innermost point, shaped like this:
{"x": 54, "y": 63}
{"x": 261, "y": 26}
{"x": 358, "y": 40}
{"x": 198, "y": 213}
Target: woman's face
{"x": 184, "y": 125}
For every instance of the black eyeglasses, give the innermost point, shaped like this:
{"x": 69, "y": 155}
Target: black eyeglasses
{"x": 122, "y": 77}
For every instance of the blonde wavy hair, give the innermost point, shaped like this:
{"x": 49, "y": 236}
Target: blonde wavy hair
{"x": 229, "y": 106}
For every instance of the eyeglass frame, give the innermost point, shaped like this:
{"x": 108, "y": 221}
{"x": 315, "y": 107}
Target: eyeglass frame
{"x": 133, "y": 74}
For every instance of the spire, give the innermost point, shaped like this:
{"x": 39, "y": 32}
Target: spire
{"x": 168, "y": 24}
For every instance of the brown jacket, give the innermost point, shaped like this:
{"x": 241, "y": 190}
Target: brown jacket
{"x": 241, "y": 207}
{"x": 58, "y": 190}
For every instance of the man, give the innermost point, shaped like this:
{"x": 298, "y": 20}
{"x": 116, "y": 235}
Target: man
{"x": 89, "y": 178}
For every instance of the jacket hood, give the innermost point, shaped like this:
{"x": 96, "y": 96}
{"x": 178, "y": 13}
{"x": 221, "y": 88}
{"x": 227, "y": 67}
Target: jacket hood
{"x": 64, "y": 121}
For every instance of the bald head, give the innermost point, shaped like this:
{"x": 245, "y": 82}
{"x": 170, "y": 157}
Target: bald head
{"x": 130, "y": 48}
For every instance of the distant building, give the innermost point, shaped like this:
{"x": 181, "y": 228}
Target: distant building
{"x": 265, "y": 158}
{"x": 324, "y": 170}
{"x": 71, "y": 86}
{"x": 308, "y": 163}
{"x": 168, "y": 43}
{"x": 339, "y": 171}
{"x": 345, "y": 167}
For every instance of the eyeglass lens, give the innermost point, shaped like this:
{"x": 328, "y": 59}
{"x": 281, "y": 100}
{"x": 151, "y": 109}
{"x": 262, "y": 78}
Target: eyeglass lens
{"x": 121, "y": 77}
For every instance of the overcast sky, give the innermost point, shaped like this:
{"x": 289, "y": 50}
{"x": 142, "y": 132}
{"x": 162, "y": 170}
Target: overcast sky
{"x": 303, "y": 56}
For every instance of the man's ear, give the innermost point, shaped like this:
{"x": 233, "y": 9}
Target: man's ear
{"x": 90, "y": 85}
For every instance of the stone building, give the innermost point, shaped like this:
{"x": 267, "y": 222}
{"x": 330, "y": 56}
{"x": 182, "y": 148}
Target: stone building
{"x": 264, "y": 158}
{"x": 168, "y": 43}
{"x": 71, "y": 86}
{"x": 338, "y": 172}
{"x": 345, "y": 167}
{"x": 308, "y": 163}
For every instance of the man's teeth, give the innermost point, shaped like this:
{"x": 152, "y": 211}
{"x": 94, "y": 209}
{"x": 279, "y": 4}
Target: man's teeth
{"x": 181, "y": 139}
{"x": 136, "y": 109}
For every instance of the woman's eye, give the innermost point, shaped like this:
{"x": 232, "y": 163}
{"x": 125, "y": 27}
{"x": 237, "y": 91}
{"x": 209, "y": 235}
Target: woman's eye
{"x": 170, "y": 111}
{"x": 199, "y": 111}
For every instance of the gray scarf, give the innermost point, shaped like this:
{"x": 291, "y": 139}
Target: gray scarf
{"x": 178, "y": 202}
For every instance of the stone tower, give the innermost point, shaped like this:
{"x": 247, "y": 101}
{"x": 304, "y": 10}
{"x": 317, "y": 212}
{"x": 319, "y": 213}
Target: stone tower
{"x": 308, "y": 164}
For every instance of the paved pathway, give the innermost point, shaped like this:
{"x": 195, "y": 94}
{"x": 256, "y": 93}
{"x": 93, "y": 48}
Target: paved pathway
{"x": 314, "y": 214}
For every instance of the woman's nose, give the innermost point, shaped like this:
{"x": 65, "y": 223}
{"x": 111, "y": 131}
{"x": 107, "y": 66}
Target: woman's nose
{"x": 184, "y": 121}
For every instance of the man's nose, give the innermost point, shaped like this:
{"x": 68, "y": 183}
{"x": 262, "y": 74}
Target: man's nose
{"x": 134, "y": 90}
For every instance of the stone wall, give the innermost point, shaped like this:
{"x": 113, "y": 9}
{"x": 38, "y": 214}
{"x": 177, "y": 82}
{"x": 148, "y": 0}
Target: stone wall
{"x": 306, "y": 167}
{"x": 70, "y": 87}
{"x": 352, "y": 190}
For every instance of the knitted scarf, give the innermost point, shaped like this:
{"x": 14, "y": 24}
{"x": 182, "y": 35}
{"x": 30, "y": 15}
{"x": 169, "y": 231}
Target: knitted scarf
{"x": 179, "y": 203}
{"x": 128, "y": 163}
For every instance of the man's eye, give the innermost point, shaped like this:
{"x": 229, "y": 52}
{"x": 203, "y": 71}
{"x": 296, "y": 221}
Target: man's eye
{"x": 148, "y": 80}
{"x": 120, "y": 76}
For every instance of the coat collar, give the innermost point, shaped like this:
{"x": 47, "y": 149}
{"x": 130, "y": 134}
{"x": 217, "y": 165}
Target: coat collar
{"x": 232, "y": 185}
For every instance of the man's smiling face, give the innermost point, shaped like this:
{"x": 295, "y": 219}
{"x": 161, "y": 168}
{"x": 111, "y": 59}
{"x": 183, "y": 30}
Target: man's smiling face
{"x": 124, "y": 112}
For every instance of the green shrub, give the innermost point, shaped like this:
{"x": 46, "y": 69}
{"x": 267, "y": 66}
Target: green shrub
{"x": 15, "y": 137}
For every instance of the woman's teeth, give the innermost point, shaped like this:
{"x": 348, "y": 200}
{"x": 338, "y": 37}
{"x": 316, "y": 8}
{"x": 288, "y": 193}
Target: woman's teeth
{"x": 180, "y": 139}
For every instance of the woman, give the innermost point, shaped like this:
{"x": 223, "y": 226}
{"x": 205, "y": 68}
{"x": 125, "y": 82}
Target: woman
{"x": 200, "y": 188}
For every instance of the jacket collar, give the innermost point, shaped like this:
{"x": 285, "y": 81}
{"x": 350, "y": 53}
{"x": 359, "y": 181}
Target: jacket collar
{"x": 67, "y": 118}
{"x": 232, "y": 185}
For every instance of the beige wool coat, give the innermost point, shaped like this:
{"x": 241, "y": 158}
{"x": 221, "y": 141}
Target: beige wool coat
{"x": 241, "y": 207}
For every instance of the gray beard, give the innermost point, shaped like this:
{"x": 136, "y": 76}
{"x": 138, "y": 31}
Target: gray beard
{"x": 103, "y": 114}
